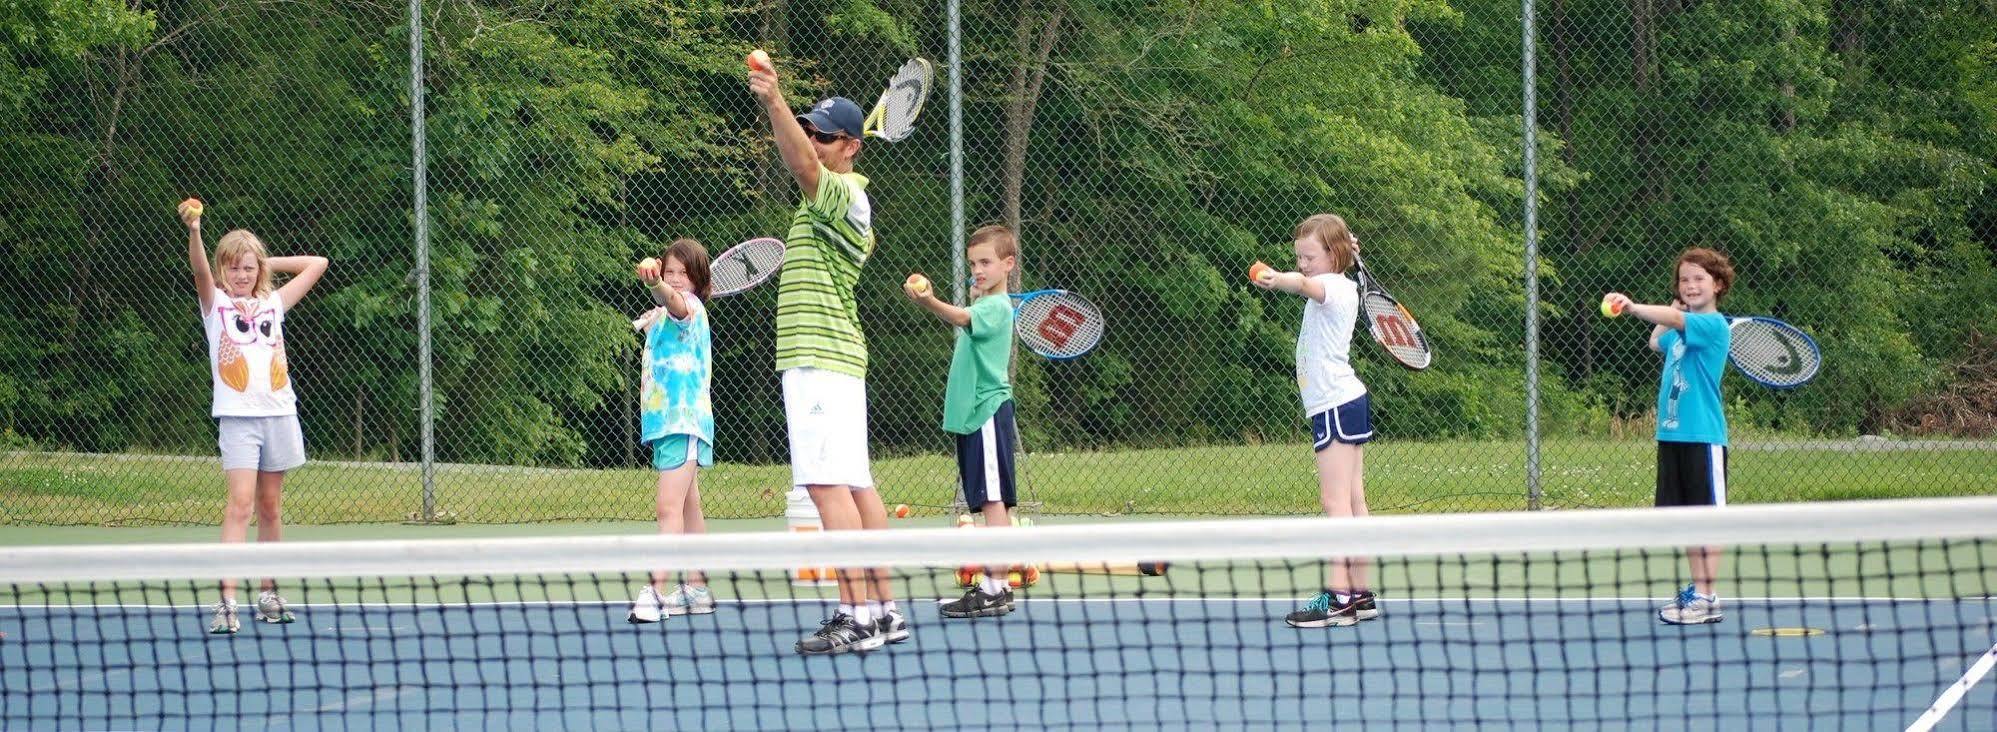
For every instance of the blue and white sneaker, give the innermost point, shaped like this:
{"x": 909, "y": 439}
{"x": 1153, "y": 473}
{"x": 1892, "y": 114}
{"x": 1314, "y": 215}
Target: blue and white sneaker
{"x": 1691, "y": 608}
{"x": 689, "y": 600}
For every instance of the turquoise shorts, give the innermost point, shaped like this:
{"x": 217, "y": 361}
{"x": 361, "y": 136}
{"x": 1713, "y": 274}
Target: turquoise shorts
{"x": 672, "y": 451}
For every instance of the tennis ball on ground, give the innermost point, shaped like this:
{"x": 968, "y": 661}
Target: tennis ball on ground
{"x": 759, "y": 61}
{"x": 191, "y": 207}
{"x": 1259, "y": 272}
{"x": 901, "y": 510}
{"x": 916, "y": 284}
{"x": 1611, "y": 308}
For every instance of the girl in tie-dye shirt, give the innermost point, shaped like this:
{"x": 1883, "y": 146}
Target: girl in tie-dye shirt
{"x": 677, "y": 414}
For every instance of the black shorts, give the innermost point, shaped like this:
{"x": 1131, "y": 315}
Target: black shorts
{"x": 984, "y": 461}
{"x": 1691, "y": 474}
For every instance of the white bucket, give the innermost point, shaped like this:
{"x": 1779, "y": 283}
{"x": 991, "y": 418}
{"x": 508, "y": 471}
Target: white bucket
{"x": 802, "y": 515}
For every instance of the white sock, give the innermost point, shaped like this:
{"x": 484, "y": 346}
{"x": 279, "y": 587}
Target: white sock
{"x": 845, "y": 609}
{"x": 863, "y": 614}
{"x": 993, "y": 585}
{"x": 888, "y": 606}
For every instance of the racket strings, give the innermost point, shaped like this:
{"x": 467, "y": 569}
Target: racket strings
{"x": 745, "y": 266}
{"x": 906, "y": 93}
{"x": 1770, "y": 356}
{"x": 1393, "y": 329}
{"x": 1060, "y": 326}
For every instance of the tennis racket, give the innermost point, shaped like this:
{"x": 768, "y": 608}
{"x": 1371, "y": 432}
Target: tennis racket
{"x": 1392, "y": 326}
{"x": 1128, "y": 569}
{"x": 1057, "y": 324}
{"x": 745, "y": 265}
{"x": 1773, "y": 353}
{"x": 893, "y": 117}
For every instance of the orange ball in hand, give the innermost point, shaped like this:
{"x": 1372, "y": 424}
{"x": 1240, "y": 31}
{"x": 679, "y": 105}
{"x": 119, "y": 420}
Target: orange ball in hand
{"x": 760, "y": 61}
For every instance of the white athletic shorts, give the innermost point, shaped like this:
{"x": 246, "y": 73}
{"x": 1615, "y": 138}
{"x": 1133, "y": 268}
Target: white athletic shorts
{"x": 827, "y": 416}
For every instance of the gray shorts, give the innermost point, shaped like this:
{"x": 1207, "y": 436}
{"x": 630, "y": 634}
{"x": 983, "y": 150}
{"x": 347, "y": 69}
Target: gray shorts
{"x": 267, "y": 444}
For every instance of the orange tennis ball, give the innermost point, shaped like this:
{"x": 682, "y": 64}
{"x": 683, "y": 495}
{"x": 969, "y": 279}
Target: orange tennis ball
{"x": 648, "y": 267}
{"x": 760, "y": 61}
{"x": 916, "y": 284}
{"x": 901, "y": 510}
{"x": 191, "y": 207}
{"x": 1611, "y": 308}
{"x": 1258, "y": 272}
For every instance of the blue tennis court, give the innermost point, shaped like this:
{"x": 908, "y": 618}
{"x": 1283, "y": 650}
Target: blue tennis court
{"x": 1055, "y": 663}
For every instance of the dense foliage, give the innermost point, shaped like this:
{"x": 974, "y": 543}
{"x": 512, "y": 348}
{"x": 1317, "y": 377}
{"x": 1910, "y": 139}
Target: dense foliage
{"x": 1840, "y": 150}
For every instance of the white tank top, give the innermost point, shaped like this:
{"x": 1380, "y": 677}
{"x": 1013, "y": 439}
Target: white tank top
{"x": 246, "y": 360}
{"x": 1324, "y": 344}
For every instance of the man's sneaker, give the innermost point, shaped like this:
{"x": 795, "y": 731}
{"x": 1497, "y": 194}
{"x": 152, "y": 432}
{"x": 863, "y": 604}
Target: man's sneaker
{"x": 690, "y": 600}
{"x": 224, "y": 621}
{"x": 1325, "y": 610}
{"x": 648, "y": 608}
{"x": 271, "y": 608}
{"x": 841, "y": 634}
{"x": 1368, "y": 606}
{"x": 977, "y": 604}
{"x": 893, "y": 626}
{"x": 1700, "y": 609}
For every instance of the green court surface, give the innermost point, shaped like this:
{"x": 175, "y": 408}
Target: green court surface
{"x": 1262, "y": 479}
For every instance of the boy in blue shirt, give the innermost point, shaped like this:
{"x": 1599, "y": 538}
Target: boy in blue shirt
{"x": 1691, "y": 428}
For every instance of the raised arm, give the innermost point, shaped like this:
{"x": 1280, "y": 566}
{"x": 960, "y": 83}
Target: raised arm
{"x": 1663, "y": 318}
{"x": 792, "y": 145}
{"x": 305, "y": 272}
{"x": 1294, "y": 283}
{"x": 197, "y": 253}
{"x": 925, "y": 296}
{"x": 662, "y": 293}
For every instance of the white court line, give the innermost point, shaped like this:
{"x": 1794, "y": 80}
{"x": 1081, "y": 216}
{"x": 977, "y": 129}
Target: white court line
{"x": 817, "y": 600}
{"x": 1954, "y": 692}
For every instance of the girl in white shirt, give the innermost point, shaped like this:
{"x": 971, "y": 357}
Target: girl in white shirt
{"x": 1335, "y": 401}
{"x": 254, "y": 401}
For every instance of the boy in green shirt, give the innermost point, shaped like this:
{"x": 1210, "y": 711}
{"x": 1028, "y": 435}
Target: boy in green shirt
{"x": 977, "y": 400}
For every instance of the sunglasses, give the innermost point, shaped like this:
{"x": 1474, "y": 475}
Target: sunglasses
{"x": 825, "y": 138}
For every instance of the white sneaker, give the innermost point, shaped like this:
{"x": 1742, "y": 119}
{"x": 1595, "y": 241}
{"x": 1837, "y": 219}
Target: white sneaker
{"x": 272, "y": 609}
{"x": 648, "y": 608}
{"x": 690, "y": 600}
{"x": 224, "y": 620}
{"x": 1688, "y": 594}
{"x": 1697, "y": 610}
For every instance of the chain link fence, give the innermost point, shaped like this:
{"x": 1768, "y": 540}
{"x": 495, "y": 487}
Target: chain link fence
{"x": 1841, "y": 153}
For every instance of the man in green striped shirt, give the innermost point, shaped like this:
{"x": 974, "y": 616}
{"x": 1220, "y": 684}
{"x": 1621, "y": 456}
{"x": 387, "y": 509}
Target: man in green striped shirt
{"x": 822, "y": 353}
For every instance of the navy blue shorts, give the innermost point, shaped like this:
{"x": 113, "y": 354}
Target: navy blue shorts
{"x": 1350, "y": 423}
{"x": 984, "y": 461}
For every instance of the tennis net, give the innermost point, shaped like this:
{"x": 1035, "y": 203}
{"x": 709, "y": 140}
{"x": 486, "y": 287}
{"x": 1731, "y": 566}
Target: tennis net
{"x": 1851, "y": 615}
